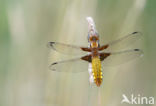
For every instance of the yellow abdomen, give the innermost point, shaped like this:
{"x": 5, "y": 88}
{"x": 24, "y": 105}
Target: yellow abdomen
{"x": 96, "y": 70}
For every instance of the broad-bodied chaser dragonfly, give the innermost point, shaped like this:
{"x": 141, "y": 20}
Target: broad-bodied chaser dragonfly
{"x": 96, "y": 55}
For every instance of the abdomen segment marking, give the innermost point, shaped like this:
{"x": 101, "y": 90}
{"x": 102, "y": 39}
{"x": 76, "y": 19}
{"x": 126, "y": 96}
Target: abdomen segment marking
{"x": 96, "y": 70}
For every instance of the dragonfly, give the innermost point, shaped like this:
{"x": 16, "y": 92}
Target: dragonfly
{"x": 95, "y": 56}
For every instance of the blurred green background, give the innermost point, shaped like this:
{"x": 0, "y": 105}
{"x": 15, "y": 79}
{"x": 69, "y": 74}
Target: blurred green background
{"x": 26, "y": 26}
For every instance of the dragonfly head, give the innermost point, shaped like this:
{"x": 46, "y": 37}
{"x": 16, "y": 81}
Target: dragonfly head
{"x": 94, "y": 41}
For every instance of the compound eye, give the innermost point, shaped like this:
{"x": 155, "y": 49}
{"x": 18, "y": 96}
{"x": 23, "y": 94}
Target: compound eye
{"x": 90, "y": 39}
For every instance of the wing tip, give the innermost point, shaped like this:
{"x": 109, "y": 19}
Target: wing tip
{"x": 136, "y": 49}
{"x": 50, "y": 44}
{"x": 54, "y": 63}
{"x": 141, "y": 52}
{"x": 51, "y": 66}
{"x": 136, "y": 32}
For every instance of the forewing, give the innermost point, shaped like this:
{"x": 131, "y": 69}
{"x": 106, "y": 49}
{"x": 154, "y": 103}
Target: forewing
{"x": 122, "y": 42}
{"x": 117, "y": 58}
{"x": 71, "y": 65}
{"x": 67, "y": 49}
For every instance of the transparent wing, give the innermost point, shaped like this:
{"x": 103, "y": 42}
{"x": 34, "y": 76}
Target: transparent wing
{"x": 71, "y": 65}
{"x": 117, "y": 58}
{"x": 122, "y": 42}
{"x": 67, "y": 49}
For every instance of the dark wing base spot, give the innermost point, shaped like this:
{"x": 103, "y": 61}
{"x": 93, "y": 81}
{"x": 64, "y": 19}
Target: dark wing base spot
{"x": 103, "y": 47}
{"x": 104, "y": 55}
{"x": 86, "y": 49}
{"x": 87, "y": 58}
